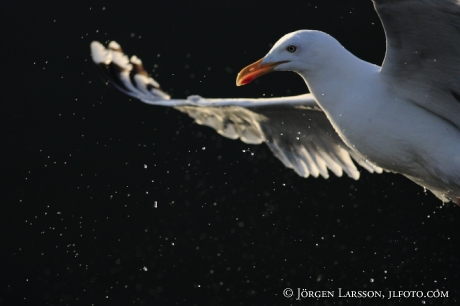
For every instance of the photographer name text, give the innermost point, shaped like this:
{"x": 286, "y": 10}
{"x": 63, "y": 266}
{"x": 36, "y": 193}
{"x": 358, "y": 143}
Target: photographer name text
{"x": 300, "y": 293}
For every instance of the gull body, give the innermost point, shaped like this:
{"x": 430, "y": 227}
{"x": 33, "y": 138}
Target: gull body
{"x": 370, "y": 115}
{"x": 402, "y": 117}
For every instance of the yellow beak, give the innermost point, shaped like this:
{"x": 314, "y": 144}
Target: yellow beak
{"x": 253, "y": 71}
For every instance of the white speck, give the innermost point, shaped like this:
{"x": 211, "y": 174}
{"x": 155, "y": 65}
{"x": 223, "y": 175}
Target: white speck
{"x": 144, "y": 268}
{"x": 155, "y": 204}
{"x": 203, "y": 148}
{"x": 145, "y": 166}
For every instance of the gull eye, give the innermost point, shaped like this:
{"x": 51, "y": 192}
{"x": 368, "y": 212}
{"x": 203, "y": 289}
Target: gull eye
{"x": 291, "y": 48}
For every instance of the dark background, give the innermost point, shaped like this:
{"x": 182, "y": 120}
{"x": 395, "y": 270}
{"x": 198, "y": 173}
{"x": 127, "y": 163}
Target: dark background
{"x": 82, "y": 167}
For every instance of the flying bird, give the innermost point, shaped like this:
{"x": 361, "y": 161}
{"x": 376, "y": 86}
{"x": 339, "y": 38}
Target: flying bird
{"x": 402, "y": 117}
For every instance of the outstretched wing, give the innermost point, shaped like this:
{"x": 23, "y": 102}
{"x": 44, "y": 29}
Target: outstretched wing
{"x": 295, "y": 129}
{"x": 423, "y": 53}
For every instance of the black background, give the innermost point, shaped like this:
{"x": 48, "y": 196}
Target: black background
{"x": 82, "y": 167}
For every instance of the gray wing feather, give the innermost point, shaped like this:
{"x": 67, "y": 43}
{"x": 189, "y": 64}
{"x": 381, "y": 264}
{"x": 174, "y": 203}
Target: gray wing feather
{"x": 298, "y": 134}
{"x": 230, "y": 121}
{"x": 423, "y": 53}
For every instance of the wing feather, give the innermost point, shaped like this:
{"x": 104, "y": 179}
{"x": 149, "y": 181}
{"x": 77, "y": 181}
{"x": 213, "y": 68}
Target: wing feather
{"x": 422, "y": 62}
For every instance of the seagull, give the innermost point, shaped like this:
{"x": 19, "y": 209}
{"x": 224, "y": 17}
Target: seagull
{"x": 402, "y": 117}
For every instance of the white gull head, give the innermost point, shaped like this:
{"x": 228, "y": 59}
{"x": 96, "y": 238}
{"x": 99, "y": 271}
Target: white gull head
{"x": 305, "y": 52}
